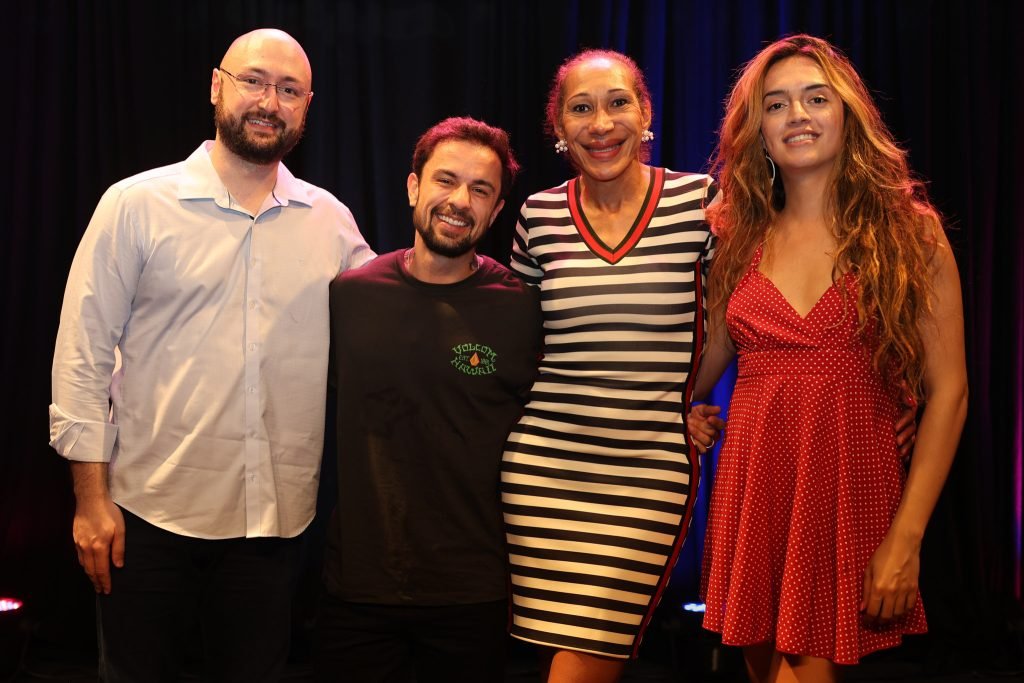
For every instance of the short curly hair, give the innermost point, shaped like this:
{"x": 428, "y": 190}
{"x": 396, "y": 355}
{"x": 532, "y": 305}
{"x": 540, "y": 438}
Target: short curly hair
{"x": 468, "y": 130}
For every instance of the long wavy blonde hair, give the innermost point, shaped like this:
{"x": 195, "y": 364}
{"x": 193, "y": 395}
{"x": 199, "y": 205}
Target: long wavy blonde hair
{"x": 885, "y": 225}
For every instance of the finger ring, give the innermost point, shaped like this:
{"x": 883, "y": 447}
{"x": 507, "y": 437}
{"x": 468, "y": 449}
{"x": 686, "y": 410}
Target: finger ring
{"x": 710, "y": 445}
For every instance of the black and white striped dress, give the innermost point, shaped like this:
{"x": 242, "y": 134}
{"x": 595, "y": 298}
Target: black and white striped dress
{"x": 597, "y": 478}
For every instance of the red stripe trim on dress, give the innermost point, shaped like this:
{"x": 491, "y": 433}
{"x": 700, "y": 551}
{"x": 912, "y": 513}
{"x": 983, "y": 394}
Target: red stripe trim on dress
{"x": 698, "y": 347}
{"x": 590, "y": 237}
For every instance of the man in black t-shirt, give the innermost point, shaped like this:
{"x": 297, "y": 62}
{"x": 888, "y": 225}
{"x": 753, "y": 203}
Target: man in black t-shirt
{"x": 433, "y": 353}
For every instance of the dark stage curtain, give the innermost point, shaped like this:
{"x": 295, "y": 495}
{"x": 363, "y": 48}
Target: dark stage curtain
{"x": 99, "y": 90}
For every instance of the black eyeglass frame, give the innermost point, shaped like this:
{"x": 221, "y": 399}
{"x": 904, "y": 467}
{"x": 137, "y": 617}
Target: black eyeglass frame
{"x": 282, "y": 93}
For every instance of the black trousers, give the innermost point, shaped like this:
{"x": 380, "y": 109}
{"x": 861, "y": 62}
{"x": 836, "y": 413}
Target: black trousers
{"x": 362, "y": 643}
{"x": 231, "y": 598}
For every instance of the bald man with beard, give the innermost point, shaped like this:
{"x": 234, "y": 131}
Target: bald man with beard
{"x": 195, "y": 464}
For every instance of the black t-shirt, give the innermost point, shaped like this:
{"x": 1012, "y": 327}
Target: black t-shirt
{"x": 430, "y": 380}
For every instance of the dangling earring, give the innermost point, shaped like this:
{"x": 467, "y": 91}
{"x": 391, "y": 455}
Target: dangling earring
{"x": 770, "y": 163}
{"x": 647, "y": 135}
{"x": 561, "y": 147}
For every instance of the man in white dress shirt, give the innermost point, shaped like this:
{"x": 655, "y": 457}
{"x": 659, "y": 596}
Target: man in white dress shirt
{"x": 210, "y": 279}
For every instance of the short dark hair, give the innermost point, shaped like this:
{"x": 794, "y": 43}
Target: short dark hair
{"x": 468, "y": 130}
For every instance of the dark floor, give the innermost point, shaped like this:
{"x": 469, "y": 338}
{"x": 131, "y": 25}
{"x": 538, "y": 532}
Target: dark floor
{"x": 672, "y": 652}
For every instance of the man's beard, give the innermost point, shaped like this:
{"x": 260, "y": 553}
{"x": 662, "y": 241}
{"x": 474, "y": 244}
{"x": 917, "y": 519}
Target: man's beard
{"x": 443, "y": 246}
{"x": 231, "y": 131}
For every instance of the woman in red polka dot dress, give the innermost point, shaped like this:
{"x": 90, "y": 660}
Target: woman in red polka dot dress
{"x": 836, "y": 288}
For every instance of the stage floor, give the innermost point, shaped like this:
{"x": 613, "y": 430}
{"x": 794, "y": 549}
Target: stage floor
{"x": 46, "y": 662}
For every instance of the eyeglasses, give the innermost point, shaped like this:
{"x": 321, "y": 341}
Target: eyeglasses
{"x": 253, "y": 87}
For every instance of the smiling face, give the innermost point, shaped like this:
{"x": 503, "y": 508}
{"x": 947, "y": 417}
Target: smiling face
{"x": 601, "y": 118}
{"x": 802, "y": 117}
{"x": 456, "y": 197}
{"x": 260, "y": 128}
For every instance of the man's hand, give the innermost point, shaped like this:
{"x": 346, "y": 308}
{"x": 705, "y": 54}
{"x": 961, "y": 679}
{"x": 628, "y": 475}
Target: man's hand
{"x": 98, "y": 529}
{"x": 99, "y": 538}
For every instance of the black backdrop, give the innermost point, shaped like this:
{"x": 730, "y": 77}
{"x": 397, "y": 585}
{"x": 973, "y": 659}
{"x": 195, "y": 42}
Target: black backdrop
{"x": 99, "y": 90}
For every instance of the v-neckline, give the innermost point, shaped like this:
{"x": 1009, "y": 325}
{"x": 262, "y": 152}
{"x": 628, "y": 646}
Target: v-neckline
{"x": 632, "y": 236}
{"x": 803, "y": 318}
{"x": 789, "y": 304}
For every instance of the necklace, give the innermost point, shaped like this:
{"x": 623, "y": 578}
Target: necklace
{"x": 409, "y": 254}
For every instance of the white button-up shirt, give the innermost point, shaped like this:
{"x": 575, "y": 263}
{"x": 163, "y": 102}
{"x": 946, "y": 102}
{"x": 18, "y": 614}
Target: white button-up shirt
{"x": 221, "y": 322}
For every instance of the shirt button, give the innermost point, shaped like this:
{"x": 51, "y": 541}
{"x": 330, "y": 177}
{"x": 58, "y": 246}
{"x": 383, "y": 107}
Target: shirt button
{"x": 252, "y": 305}
{"x": 251, "y": 390}
{"x": 252, "y": 347}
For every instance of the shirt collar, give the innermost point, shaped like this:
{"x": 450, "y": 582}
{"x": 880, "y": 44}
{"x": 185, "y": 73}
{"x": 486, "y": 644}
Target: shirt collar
{"x": 200, "y": 181}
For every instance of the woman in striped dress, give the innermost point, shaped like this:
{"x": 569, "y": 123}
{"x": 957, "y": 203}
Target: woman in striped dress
{"x": 597, "y": 478}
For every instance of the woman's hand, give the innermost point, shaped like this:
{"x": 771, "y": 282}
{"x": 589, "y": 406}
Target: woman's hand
{"x": 890, "y": 580}
{"x": 704, "y": 426}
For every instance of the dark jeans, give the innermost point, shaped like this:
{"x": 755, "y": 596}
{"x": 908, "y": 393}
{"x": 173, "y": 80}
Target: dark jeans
{"x": 231, "y": 597}
{"x": 390, "y": 643}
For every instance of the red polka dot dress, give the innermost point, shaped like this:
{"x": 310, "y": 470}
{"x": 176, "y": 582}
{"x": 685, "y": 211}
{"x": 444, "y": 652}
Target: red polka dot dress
{"x": 808, "y": 480}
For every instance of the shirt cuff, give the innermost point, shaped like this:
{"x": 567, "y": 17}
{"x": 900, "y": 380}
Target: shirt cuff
{"x": 81, "y": 440}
